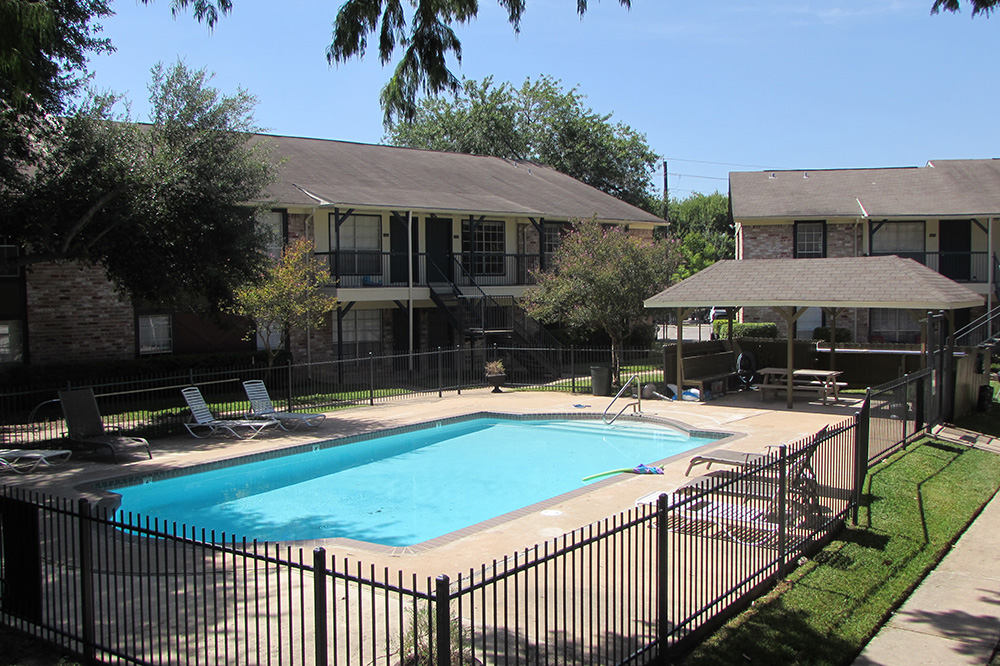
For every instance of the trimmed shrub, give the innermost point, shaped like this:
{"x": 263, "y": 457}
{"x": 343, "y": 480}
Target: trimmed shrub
{"x": 745, "y": 329}
{"x": 823, "y": 333}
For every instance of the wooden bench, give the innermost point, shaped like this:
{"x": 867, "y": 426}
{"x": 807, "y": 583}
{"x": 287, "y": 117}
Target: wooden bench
{"x": 702, "y": 371}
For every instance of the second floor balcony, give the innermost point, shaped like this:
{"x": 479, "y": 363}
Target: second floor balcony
{"x": 966, "y": 267}
{"x": 372, "y": 268}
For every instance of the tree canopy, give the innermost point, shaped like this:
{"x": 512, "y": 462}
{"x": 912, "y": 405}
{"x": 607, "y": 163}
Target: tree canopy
{"x": 161, "y": 207}
{"x": 599, "y": 279}
{"x": 703, "y": 228}
{"x": 538, "y": 122}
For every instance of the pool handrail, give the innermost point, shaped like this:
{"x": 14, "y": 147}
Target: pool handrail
{"x": 637, "y": 403}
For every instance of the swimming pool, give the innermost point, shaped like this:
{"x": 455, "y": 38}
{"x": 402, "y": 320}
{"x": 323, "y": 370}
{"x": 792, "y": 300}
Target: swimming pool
{"x": 408, "y": 487}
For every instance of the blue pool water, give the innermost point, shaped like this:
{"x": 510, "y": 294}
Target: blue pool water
{"x": 406, "y": 488}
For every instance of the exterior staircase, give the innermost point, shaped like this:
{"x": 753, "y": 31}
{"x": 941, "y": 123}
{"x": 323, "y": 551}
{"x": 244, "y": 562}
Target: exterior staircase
{"x": 481, "y": 318}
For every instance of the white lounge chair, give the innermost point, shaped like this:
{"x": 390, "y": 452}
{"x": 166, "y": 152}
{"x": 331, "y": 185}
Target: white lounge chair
{"x": 203, "y": 419}
{"x": 262, "y": 407}
{"x": 29, "y": 460}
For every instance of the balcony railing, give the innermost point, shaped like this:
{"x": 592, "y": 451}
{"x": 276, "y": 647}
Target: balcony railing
{"x": 969, "y": 267}
{"x": 369, "y": 268}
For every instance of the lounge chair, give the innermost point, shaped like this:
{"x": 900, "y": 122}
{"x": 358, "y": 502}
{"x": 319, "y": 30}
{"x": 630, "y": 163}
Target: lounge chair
{"x": 725, "y": 457}
{"x": 29, "y": 460}
{"x": 801, "y": 482}
{"x": 86, "y": 427}
{"x": 203, "y": 419}
{"x": 742, "y": 522}
{"x": 262, "y": 407}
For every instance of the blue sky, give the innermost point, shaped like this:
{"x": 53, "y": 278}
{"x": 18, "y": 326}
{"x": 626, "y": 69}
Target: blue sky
{"x": 716, "y": 86}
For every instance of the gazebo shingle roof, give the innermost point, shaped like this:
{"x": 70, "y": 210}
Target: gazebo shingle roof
{"x": 856, "y": 282}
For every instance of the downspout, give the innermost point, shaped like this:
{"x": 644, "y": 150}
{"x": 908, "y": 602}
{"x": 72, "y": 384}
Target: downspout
{"x": 989, "y": 274}
{"x": 311, "y": 218}
{"x": 409, "y": 281}
{"x": 861, "y": 221}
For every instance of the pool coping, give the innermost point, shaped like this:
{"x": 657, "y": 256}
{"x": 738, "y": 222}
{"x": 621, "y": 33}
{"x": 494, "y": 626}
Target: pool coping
{"x": 110, "y": 501}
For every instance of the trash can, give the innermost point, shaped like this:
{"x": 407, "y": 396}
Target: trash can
{"x": 600, "y": 380}
{"x": 985, "y": 397}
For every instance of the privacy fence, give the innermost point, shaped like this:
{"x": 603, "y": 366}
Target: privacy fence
{"x": 637, "y": 586}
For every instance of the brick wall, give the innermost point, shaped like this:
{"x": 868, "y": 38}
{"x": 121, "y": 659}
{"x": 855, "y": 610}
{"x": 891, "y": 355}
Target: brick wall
{"x": 74, "y": 314}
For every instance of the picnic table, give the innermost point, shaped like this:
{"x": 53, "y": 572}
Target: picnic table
{"x": 822, "y": 382}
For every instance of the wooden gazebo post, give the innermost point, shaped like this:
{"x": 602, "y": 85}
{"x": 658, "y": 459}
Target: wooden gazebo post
{"x": 790, "y": 315}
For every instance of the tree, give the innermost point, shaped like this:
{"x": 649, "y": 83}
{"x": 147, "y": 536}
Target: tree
{"x": 161, "y": 207}
{"x": 538, "y": 122}
{"x": 985, "y": 7}
{"x": 287, "y": 297}
{"x": 703, "y": 228}
{"x": 600, "y": 278}
{"x": 431, "y": 38}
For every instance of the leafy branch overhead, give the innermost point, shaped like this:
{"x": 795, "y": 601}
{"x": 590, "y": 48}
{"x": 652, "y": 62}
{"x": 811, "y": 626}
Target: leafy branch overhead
{"x": 431, "y": 38}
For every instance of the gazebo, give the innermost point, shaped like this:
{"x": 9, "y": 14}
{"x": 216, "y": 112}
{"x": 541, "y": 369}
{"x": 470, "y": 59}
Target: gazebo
{"x": 788, "y": 286}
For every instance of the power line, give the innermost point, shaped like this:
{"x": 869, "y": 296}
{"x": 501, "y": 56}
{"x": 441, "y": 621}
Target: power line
{"x": 691, "y": 175}
{"x": 748, "y": 166}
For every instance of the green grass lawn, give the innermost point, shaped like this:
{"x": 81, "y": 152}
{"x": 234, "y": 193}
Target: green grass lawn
{"x": 918, "y": 502}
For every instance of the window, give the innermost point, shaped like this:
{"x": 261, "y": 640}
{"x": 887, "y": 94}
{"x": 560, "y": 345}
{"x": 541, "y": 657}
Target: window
{"x": 8, "y": 252}
{"x": 362, "y": 331}
{"x": 483, "y": 247}
{"x": 810, "y": 240}
{"x": 11, "y": 342}
{"x": 905, "y": 239}
{"x": 360, "y": 250}
{"x": 553, "y": 237}
{"x": 807, "y": 323}
{"x": 274, "y": 223}
{"x": 893, "y": 326}
{"x": 155, "y": 334}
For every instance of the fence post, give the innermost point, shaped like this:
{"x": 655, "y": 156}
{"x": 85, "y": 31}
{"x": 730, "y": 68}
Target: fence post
{"x": 905, "y": 402}
{"x": 918, "y": 407}
{"x": 572, "y": 367}
{"x": 862, "y": 423}
{"x": 440, "y": 374}
{"x": 86, "y": 582}
{"x": 458, "y": 368}
{"x": 442, "y": 620}
{"x": 371, "y": 378}
{"x": 288, "y": 390}
{"x": 319, "y": 606}
{"x": 782, "y": 510}
{"x": 662, "y": 576}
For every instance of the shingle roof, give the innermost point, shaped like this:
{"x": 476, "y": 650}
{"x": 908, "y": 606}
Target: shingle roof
{"x": 319, "y": 171}
{"x": 943, "y": 188}
{"x": 857, "y": 282}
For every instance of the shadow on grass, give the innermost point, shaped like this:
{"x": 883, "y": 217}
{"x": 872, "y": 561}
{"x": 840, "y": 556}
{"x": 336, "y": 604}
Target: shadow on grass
{"x": 772, "y": 634}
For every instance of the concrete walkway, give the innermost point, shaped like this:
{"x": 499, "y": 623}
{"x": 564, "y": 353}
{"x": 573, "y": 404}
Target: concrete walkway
{"x": 953, "y": 617}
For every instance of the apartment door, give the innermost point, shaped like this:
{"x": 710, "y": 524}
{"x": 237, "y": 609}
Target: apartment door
{"x": 438, "y": 233}
{"x": 955, "y": 244}
{"x": 398, "y": 249}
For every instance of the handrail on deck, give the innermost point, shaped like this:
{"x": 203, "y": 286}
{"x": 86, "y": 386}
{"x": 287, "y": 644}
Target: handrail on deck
{"x": 633, "y": 378}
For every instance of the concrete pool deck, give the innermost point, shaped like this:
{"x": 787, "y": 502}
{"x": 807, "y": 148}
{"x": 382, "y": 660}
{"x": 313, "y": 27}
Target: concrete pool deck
{"x": 756, "y": 424}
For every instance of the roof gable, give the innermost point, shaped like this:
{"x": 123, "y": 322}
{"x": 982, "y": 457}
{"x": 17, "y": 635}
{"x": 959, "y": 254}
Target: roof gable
{"x": 943, "y": 188}
{"x": 324, "y": 172}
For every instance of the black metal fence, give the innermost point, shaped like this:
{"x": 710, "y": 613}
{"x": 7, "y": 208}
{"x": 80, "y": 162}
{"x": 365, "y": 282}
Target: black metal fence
{"x": 152, "y": 406}
{"x": 628, "y": 590}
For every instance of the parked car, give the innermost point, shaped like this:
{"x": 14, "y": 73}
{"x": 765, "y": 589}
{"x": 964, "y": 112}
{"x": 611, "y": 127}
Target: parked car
{"x": 719, "y": 313}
